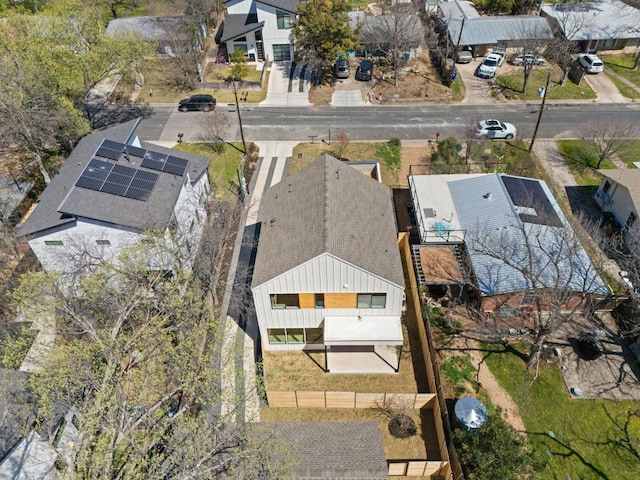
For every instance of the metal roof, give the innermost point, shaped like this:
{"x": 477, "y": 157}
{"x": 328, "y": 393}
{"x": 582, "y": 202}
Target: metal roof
{"x": 328, "y": 207}
{"x": 62, "y": 202}
{"x": 601, "y": 20}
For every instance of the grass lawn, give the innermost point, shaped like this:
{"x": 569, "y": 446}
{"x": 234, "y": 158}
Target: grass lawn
{"x": 625, "y": 89}
{"x": 623, "y": 66}
{"x": 511, "y": 86}
{"x": 395, "y": 448}
{"x": 584, "y": 438}
{"x": 220, "y": 73}
{"x": 631, "y": 154}
{"x": 582, "y": 162}
{"x": 222, "y": 169}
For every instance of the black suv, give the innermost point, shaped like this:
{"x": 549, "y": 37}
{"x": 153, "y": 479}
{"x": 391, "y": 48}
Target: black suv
{"x": 365, "y": 70}
{"x": 204, "y": 103}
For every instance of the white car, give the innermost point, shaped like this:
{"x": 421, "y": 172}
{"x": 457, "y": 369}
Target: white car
{"x": 489, "y": 65}
{"x": 527, "y": 58}
{"x": 492, "y": 129}
{"x": 591, "y": 63}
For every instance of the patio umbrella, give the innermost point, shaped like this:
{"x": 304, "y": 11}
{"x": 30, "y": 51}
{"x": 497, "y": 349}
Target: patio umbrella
{"x": 470, "y": 412}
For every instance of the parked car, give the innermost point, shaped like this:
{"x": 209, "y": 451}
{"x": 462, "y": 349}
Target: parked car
{"x": 341, "y": 69}
{"x": 528, "y": 58}
{"x": 591, "y": 63}
{"x": 464, "y": 56}
{"x": 489, "y": 66}
{"x": 365, "y": 70}
{"x": 494, "y": 129}
{"x": 203, "y": 103}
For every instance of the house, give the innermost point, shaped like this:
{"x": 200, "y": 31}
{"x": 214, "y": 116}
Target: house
{"x": 596, "y": 25}
{"x": 171, "y": 33}
{"x": 619, "y": 193}
{"x": 112, "y": 190}
{"x": 328, "y": 273}
{"x": 501, "y": 231}
{"x": 466, "y": 27}
{"x": 406, "y": 30}
{"x": 261, "y": 28}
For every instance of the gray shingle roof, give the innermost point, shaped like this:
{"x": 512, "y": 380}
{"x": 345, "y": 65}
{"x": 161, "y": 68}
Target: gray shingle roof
{"x": 328, "y": 207}
{"x": 62, "y": 202}
{"x": 333, "y": 450}
{"x": 238, "y": 25}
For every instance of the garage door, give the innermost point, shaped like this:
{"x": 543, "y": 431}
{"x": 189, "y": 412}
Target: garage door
{"x": 282, "y": 52}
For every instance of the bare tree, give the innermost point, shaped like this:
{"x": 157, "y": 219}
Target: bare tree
{"x": 394, "y": 33}
{"x": 543, "y": 257}
{"x": 607, "y": 139}
{"x": 535, "y": 37}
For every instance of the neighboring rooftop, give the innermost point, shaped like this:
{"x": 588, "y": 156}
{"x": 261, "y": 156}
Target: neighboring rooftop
{"x": 599, "y": 20}
{"x": 628, "y": 178}
{"x": 333, "y": 450}
{"x": 151, "y": 28}
{"x": 328, "y": 207}
{"x": 111, "y": 177}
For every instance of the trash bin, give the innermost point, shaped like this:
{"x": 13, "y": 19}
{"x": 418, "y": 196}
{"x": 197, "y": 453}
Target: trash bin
{"x": 407, "y": 56}
{"x": 454, "y": 74}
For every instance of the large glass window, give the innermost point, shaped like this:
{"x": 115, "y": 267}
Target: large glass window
{"x": 295, "y": 335}
{"x": 282, "y": 52}
{"x": 319, "y": 300}
{"x": 372, "y": 300}
{"x": 285, "y": 300}
{"x": 285, "y": 20}
{"x": 277, "y": 335}
{"x": 314, "y": 335}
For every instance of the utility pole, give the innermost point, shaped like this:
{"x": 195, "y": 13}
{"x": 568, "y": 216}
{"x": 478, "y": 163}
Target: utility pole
{"x": 544, "y": 98}
{"x": 235, "y": 93}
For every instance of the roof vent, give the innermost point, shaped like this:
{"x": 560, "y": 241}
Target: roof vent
{"x": 487, "y": 195}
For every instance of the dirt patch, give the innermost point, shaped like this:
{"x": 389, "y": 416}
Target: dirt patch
{"x": 413, "y": 155}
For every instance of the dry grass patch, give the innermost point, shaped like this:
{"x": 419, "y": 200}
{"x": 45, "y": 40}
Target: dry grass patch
{"x": 412, "y": 448}
{"x": 320, "y": 95}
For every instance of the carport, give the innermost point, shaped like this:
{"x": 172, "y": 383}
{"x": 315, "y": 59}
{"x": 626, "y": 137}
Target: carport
{"x": 362, "y": 344}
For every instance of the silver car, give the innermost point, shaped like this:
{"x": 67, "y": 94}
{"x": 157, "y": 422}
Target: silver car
{"x": 341, "y": 69}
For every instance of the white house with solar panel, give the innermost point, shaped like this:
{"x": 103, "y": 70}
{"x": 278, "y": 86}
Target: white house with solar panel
{"x": 110, "y": 193}
{"x": 503, "y": 237}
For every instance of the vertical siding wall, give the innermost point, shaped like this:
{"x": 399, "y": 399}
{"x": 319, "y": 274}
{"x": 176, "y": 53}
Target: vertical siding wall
{"x": 324, "y": 274}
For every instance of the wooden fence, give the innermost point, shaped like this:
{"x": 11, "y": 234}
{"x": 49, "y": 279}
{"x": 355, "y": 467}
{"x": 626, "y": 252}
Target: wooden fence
{"x": 416, "y": 468}
{"x": 321, "y": 399}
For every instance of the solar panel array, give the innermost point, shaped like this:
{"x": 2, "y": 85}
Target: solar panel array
{"x": 117, "y": 179}
{"x": 160, "y": 162}
{"x": 529, "y": 193}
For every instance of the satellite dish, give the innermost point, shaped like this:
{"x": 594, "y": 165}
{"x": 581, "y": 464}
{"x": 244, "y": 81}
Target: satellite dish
{"x": 470, "y": 412}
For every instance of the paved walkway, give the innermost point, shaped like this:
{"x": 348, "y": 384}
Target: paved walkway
{"x": 286, "y": 87}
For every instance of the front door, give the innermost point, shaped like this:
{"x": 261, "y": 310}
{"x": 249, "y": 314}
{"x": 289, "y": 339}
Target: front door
{"x": 259, "y": 45}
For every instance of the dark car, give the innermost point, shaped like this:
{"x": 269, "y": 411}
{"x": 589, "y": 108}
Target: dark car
{"x": 341, "y": 69}
{"x": 203, "y": 103}
{"x": 365, "y": 70}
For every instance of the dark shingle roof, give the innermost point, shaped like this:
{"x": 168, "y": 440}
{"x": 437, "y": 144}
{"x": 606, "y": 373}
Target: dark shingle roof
{"x": 61, "y": 202}
{"x": 239, "y": 25}
{"x": 333, "y": 450}
{"x": 328, "y": 207}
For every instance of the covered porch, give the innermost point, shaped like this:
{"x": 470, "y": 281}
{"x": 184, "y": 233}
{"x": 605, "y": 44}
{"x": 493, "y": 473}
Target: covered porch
{"x": 363, "y": 344}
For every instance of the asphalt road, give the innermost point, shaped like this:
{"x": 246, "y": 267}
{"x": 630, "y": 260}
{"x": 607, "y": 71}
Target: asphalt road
{"x": 560, "y": 120}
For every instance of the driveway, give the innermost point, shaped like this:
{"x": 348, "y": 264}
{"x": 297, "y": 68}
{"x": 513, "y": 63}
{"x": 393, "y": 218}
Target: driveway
{"x": 605, "y": 89}
{"x": 478, "y": 89}
{"x": 349, "y": 92}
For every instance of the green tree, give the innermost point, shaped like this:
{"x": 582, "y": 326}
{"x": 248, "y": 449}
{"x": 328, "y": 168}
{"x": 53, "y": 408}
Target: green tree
{"x": 495, "y": 450}
{"x": 132, "y": 360}
{"x": 239, "y": 68}
{"x": 323, "y": 33}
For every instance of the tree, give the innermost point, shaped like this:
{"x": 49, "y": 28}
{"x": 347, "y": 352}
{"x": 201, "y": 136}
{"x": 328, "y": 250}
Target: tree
{"x": 239, "y": 69}
{"x": 495, "y": 450}
{"x": 394, "y": 33}
{"x": 535, "y": 41}
{"x": 132, "y": 361}
{"x": 540, "y": 255}
{"x": 323, "y": 33}
{"x": 608, "y": 139}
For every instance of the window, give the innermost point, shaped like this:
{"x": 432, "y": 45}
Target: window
{"x": 277, "y": 335}
{"x": 606, "y": 186}
{"x": 285, "y": 300}
{"x": 103, "y": 242}
{"x": 314, "y": 335}
{"x": 295, "y": 335}
{"x": 284, "y": 20}
{"x": 372, "y": 300}
{"x": 319, "y": 300}
{"x": 529, "y": 299}
{"x": 53, "y": 243}
{"x": 241, "y": 46}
